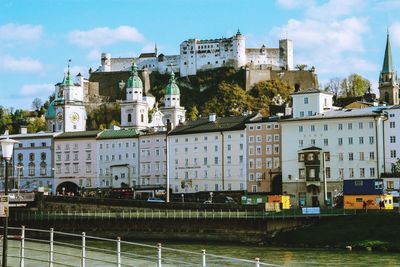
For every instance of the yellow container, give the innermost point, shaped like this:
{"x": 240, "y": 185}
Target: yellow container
{"x": 284, "y": 200}
{"x": 372, "y": 201}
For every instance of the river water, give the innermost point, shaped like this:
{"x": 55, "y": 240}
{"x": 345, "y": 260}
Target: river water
{"x": 98, "y": 255}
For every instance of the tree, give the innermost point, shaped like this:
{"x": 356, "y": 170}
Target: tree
{"x": 37, "y": 104}
{"x": 194, "y": 113}
{"x": 357, "y": 85}
{"x": 230, "y": 99}
{"x": 333, "y": 86}
{"x": 263, "y": 92}
{"x": 36, "y": 125}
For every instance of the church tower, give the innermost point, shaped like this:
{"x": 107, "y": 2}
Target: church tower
{"x": 134, "y": 110}
{"x": 388, "y": 83}
{"x": 70, "y": 112}
{"x": 172, "y": 110}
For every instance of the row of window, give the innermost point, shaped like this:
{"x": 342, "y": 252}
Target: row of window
{"x": 205, "y": 174}
{"x": 267, "y": 127}
{"x": 350, "y": 141}
{"x": 269, "y": 163}
{"x": 206, "y": 162}
{"x": 205, "y": 148}
{"x": 268, "y": 138}
{"x": 75, "y": 146}
{"x": 75, "y": 168}
{"x": 113, "y": 145}
{"x": 361, "y": 173}
{"x": 269, "y": 150}
{"x": 75, "y": 154}
{"x": 205, "y": 138}
{"x": 340, "y": 126}
{"x": 42, "y": 144}
{"x": 20, "y": 156}
{"x": 114, "y": 157}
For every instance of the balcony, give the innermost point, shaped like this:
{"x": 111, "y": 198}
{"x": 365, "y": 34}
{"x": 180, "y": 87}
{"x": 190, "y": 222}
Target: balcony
{"x": 315, "y": 162}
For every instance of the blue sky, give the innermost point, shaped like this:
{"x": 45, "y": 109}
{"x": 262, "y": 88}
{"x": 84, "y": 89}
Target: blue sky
{"x": 37, "y": 37}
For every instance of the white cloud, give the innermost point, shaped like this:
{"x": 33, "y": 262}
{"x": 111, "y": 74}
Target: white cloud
{"x": 99, "y": 37}
{"x": 20, "y": 32}
{"x": 148, "y": 48}
{"x": 9, "y": 63}
{"x": 94, "y": 54}
{"x": 329, "y": 38}
{"x": 74, "y": 70}
{"x": 36, "y": 90}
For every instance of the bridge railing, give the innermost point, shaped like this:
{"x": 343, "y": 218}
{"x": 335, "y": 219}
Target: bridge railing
{"x": 68, "y": 249}
{"x": 23, "y": 215}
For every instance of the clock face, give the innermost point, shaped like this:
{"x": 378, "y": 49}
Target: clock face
{"x": 74, "y": 117}
{"x": 59, "y": 116}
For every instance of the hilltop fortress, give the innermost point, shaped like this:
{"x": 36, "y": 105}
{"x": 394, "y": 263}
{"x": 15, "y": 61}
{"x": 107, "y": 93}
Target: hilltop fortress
{"x": 198, "y": 55}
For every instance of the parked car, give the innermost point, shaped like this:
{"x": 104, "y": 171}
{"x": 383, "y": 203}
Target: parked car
{"x": 155, "y": 199}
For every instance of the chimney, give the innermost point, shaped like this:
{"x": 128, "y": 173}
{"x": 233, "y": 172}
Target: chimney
{"x": 23, "y": 130}
{"x": 212, "y": 117}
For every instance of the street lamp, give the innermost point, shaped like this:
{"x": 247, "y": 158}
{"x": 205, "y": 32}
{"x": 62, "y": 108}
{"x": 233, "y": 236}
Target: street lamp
{"x": 121, "y": 84}
{"x": 7, "y": 146}
{"x": 211, "y": 195}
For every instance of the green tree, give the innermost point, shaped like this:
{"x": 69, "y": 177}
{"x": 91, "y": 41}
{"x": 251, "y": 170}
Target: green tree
{"x": 357, "y": 85}
{"x": 230, "y": 99}
{"x": 194, "y": 113}
{"x": 36, "y": 125}
{"x": 263, "y": 92}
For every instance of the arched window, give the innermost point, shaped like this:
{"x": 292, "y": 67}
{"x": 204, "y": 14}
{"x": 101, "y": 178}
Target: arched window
{"x": 296, "y": 87}
{"x": 31, "y": 157}
{"x": 129, "y": 117}
{"x": 43, "y": 156}
{"x": 20, "y": 157}
{"x": 31, "y": 169}
{"x": 43, "y": 168}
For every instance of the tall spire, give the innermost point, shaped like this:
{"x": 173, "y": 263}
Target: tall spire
{"x": 67, "y": 78}
{"x": 388, "y": 61}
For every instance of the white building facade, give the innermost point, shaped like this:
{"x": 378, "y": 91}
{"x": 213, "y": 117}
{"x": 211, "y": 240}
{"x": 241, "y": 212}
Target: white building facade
{"x": 117, "y": 156}
{"x": 31, "y": 166}
{"x": 152, "y": 161}
{"x": 322, "y": 150}
{"x": 208, "y": 155}
{"x": 75, "y": 161}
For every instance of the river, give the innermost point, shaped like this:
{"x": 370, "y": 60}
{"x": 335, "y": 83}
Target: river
{"x": 97, "y": 255}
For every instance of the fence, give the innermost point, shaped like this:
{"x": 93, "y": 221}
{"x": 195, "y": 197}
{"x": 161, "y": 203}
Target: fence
{"x": 168, "y": 214}
{"x": 67, "y": 249}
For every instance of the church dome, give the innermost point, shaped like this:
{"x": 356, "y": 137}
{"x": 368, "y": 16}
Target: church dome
{"x": 134, "y": 81}
{"x": 51, "y": 111}
{"x": 172, "y": 88}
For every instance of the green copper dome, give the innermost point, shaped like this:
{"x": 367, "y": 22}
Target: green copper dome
{"x": 172, "y": 88}
{"x": 51, "y": 111}
{"x": 67, "y": 81}
{"x": 134, "y": 81}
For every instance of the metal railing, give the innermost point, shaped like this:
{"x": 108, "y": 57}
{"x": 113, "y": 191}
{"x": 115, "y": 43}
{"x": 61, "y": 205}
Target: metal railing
{"x": 82, "y": 250}
{"x": 150, "y": 214}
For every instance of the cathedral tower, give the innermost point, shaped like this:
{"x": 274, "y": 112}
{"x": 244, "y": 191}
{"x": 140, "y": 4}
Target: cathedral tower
{"x": 388, "y": 83}
{"x": 134, "y": 110}
{"x": 172, "y": 110}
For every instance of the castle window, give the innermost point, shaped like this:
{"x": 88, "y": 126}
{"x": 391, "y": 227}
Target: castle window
{"x": 208, "y": 62}
{"x": 129, "y": 117}
{"x": 296, "y": 87}
{"x": 141, "y": 118}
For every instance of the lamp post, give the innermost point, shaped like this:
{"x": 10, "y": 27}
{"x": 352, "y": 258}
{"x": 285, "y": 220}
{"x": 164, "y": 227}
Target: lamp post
{"x": 7, "y": 146}
{"x": 211, "y": 195}
{"x": 121, "y": 84}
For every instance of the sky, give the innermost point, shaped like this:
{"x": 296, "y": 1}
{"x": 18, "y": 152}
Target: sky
{"x": 38, "y": 37}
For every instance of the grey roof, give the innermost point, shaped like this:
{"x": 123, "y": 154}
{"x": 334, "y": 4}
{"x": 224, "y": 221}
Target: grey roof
{"x": 81, "y": 134}
{"x": 343, "y": 113}
{"x": 204, "y": 125}
{"x": 311, "y": 91}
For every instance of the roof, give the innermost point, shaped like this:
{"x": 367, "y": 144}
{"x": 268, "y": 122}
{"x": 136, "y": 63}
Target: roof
{"x": 204, "y": 125}
{"x": 311, "y": 91}
{"x": 134, "y": 81}
{"x": 80, "y": 134}
{"x": 172, "y": 88}
{"x": 259, "y": 119}
{"x": 51, "y": 111}
{"x": 30, "y": 135}
{"x": 118, "y": 134}
{"x": 387, "y": 60}
{"x": 343, "y": 113}
{"x": 311, "y": 148}
{"x": 143, "y": 55}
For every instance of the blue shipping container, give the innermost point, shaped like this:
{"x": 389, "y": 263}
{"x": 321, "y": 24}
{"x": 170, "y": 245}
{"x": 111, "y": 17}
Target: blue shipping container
{"x": 363, "y": 187}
